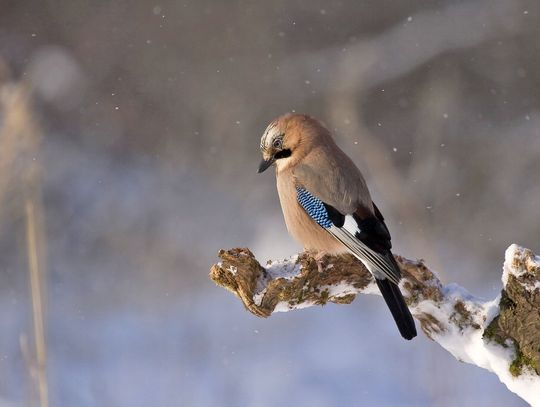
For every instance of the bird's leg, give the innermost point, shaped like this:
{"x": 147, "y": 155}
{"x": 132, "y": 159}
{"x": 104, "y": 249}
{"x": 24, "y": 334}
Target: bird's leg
{"x": 319, "y": 256}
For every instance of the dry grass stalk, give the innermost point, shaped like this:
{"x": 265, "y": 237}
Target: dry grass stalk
{"x": 20, "y": 191}
{"x": 37, "y": 302}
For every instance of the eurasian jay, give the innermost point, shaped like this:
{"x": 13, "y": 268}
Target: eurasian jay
{"x": 327, "y": 205}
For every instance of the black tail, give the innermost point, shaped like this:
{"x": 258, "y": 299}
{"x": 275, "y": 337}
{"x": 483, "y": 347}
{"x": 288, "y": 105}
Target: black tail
{"x": 398, "y": 308}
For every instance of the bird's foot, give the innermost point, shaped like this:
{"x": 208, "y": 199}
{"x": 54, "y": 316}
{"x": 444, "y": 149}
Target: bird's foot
{"x": 319, "y": 257}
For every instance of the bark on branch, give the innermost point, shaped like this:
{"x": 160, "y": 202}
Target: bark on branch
{"x": 501, "y": 335}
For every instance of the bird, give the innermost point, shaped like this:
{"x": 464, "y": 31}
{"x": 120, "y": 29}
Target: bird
{"x": 327, "y": 205}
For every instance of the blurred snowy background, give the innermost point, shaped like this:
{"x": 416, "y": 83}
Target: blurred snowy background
{"x": 144, "y": 158}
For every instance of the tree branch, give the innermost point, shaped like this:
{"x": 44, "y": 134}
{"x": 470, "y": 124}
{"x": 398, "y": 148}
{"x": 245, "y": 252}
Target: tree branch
{"x": 501, "y": 335}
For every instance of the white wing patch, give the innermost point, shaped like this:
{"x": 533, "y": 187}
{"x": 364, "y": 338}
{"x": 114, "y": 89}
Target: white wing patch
{"x": 350, "y": 225}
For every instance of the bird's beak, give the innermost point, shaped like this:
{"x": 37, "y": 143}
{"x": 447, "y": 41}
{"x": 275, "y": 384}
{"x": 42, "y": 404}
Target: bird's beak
{"x": 265, "y": 164}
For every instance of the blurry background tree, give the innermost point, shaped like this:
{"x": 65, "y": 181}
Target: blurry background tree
{"x": 150, "y": 111}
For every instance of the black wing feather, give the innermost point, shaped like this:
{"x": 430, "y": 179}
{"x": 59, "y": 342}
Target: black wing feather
{"x": 337, "y": 218}
{"x": 374, "y": 234}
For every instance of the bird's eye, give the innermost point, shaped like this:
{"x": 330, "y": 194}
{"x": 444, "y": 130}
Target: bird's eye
{"x": 277, "y": 144}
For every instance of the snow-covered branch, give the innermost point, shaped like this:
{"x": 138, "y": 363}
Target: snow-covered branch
{"x": 501, "y": 335}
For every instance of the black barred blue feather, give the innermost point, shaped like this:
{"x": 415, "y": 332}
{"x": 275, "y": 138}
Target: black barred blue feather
{"x": 314, "y": 207}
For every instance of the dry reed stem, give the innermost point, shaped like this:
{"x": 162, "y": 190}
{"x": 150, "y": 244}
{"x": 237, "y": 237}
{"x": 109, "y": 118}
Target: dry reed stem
{"x": 20, "y": 191}
{"x": 37, "y": 303}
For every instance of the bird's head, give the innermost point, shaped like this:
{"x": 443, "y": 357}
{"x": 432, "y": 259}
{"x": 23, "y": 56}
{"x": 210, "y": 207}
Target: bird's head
{"x": 287, "y": 139}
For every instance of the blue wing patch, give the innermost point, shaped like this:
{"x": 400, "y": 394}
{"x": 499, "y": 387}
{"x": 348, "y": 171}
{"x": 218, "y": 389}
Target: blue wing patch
{"x": 314, "y": 207}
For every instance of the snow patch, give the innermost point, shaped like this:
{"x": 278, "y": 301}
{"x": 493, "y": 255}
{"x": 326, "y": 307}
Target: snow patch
{"x": 371, "y": 288}
{"x": 339, "y": 290}
{"x": 517, "y": 252}
{"x": 287, "y": 269}
{"x": 285, "y": 306}
{"x": 258, "y": 297}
